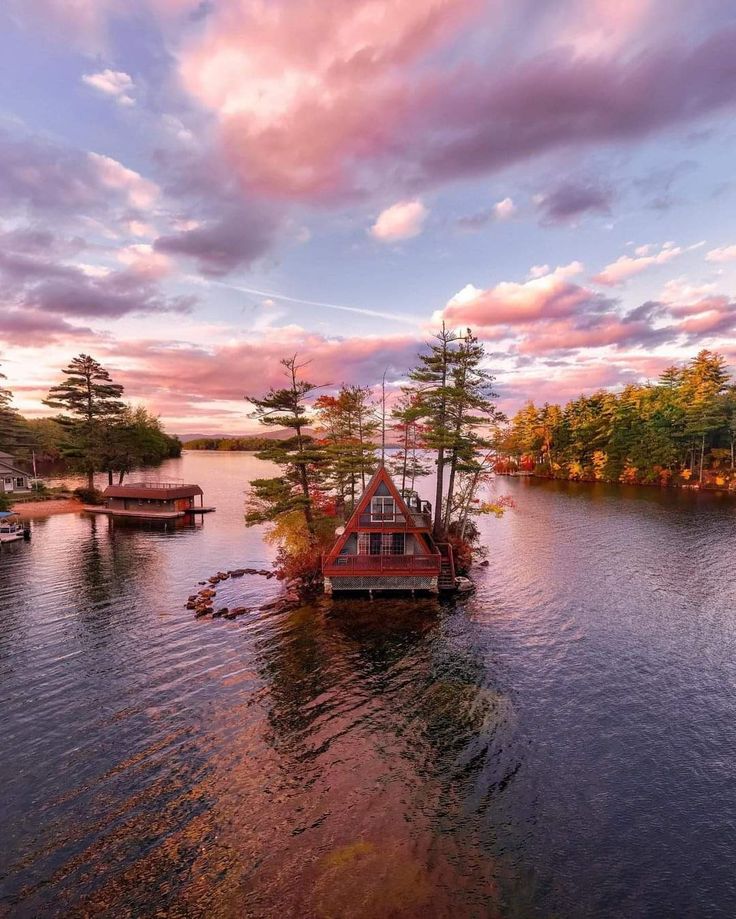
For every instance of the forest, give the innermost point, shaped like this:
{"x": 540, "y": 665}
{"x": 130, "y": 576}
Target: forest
{"x": 679, "y": 430}
{"x": 93, "y": 430}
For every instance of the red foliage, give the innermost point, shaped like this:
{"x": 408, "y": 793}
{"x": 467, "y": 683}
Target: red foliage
{"x": 306, "y": 564}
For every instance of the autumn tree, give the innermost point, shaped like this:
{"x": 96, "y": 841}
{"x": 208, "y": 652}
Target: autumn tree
{"x": 90, "y": 403}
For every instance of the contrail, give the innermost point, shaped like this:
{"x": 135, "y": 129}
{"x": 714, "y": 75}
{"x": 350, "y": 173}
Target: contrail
{"x": 330, "y": 306}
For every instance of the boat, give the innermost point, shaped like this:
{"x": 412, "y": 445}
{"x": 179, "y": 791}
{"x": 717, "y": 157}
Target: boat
{"x": 12, "y": 527}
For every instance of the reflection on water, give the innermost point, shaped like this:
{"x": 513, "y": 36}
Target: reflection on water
{"x": 559, "y": 744}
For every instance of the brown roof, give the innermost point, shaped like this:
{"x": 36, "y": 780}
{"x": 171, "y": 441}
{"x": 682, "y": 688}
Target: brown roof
{"x": 159, "y": 491}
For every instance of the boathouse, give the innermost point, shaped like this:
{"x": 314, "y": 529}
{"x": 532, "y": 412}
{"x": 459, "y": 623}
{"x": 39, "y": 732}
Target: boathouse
{"x": 13, "y": 479}
{"x": 152, "y": 499}
{"x": 387, "y": 544}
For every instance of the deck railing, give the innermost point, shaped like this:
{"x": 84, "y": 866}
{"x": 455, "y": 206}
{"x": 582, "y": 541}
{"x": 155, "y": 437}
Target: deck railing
{"x": 372, "y": 564}
{"x": 159, "y": 485}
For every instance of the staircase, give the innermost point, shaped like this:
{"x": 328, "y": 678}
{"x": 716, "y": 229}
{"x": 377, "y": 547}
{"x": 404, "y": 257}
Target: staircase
{"x": 446, "y": 579}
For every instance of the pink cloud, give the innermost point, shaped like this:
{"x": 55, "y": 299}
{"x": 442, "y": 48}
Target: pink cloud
{"x": 542, "y": 297}
{"x": 626, "y": 267}
{"x": 723, "y": 254}
{"x": 305, "y": 90}
{"x": 400, "y": 221}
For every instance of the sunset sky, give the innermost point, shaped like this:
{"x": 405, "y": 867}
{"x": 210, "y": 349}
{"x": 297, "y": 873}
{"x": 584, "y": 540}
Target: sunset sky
{"x": 191, "y": 190}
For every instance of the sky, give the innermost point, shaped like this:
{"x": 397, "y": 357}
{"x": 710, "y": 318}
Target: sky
{"x": 191, "y": 190}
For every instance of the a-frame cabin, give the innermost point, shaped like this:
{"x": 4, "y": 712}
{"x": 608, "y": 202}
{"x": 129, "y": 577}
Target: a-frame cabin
{"x": 387, "y": 544}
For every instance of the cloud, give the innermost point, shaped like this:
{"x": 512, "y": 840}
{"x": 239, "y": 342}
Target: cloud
{"x": 115, "y": 83}
{"x": 45, "y": 286}
{"x": 511, "y": 303}
{"x": 504, "y": 209}
{"x": 196, "y": 375}
{"x": 23, "y": 326}
{"x": 140, "y": 192}
{"x": 82, "y": 23}
{"x": 572, "y": 199}
{"x": 723, "y": 254}
{"x": 145, "y": 261}
{"x": 328, "y": 100}
{"x": 626, "y": 267}
{"x": 236, "y": 238}
{"x": 400, "y": 221}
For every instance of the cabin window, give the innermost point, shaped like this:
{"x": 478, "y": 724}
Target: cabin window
{"x": 382, "y": 509}
{"x": 19, "y": 483}
{"x": 8, "y": 480}
{"x": 381, "y": 544}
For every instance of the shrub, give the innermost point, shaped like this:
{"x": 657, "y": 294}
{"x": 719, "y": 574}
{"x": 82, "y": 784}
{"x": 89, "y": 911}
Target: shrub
{"x": 89, "y": 495}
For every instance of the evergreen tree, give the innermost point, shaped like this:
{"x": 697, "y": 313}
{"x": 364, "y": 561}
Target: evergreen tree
{"x": 434, "y": 392}
{"x": 91, "y": 404}
{"x": 10, "y": 420}
{"x": 470, "y": 408}
{"x": 348, "y": 426}
{"x": 299, "y": 456}
{"x": 407, "y": 464}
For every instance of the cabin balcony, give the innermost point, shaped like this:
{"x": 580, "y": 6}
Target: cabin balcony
{"x": 368, "y": 521}
{"x": 347, "y": 565}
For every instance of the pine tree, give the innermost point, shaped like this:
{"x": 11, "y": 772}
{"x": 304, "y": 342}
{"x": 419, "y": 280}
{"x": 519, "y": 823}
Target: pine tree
{"x": 299, "y": 456}
{"x": 470, "y": 408}
{"x": 91, "y": 402}
{"x": 348, "y": 426}
{"x": 10, "y": 420}
{"x": 434, "y": 391}
{"x": 407, "y": 464}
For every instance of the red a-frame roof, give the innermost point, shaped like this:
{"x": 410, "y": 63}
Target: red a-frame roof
{"x": 409, "y": 523}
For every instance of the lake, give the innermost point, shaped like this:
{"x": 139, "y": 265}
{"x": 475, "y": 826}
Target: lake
{"x": 562, "y": 743}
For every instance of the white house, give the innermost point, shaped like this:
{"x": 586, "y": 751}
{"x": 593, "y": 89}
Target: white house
{"x": 13, "y": 479}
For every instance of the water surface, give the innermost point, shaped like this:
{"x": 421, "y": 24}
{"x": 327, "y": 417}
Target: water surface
{"x": 560, "y": 744}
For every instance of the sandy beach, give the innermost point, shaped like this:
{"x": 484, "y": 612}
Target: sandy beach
{"x": 47, "y": 508}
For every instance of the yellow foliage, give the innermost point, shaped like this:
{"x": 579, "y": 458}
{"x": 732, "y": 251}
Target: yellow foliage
{"x": 686, "y": 474}
{"x": 575, "y": 470}
{"x": 600, "y": 458}
{"x": 290, "y": 531}
{"x": 630, "y": 475}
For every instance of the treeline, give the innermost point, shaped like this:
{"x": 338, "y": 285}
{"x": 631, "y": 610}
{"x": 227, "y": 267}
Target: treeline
{"x": 441, "y": 423}
{"x": 225, "y": 444}
{"x": 679, "y": 430}
{"x": 94, "y": 430}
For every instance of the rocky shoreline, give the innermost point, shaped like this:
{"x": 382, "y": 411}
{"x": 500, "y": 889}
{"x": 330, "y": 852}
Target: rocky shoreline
{"x": 297, "y": 591}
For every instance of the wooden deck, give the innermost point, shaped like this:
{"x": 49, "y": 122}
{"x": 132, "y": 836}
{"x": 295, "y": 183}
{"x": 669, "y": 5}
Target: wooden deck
{"x": 357, "y": 565}
{"x": 144, "y": 515}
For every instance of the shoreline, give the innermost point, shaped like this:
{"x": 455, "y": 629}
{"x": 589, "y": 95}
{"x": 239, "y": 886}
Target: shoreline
{"x": 29, "y": 509}
{"x": 672, "y": 486}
